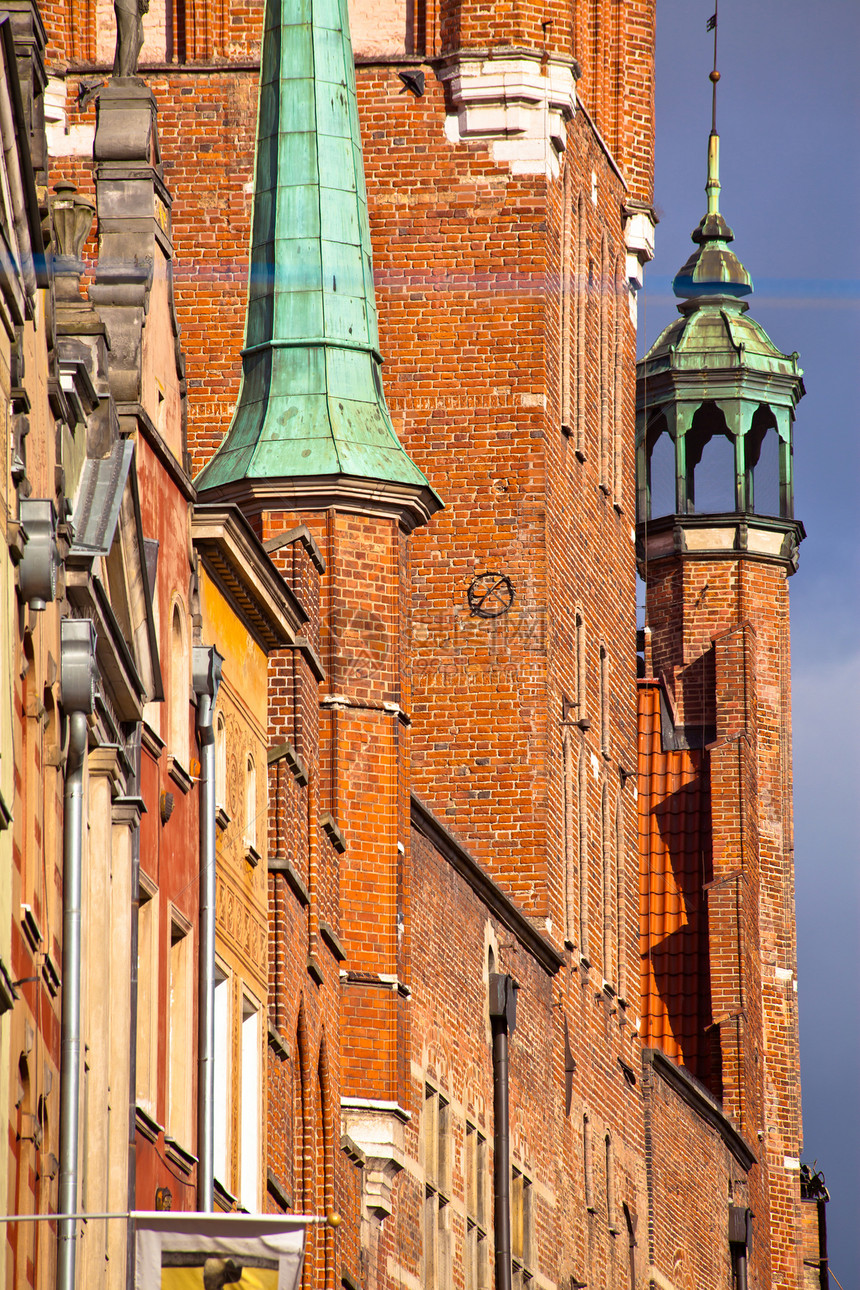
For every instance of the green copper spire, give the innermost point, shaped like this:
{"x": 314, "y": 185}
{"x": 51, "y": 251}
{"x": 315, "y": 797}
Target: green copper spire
{"x": 311, "y": 425}
{"x": 712, "y": 269}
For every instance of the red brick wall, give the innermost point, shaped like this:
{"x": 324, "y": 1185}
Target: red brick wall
{"x": 730, "y": 662}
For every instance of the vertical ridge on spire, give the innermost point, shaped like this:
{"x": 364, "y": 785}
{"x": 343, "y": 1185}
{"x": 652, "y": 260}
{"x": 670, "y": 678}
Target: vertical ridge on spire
{"x": 311, "y": 403}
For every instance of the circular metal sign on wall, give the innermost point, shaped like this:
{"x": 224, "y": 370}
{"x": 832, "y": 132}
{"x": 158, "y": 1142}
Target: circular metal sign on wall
{"x": 490, "y": 595}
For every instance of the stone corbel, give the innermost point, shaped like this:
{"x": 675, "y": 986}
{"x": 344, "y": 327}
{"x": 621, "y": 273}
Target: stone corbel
{"x": 378, "y": 1130}
{"x": 640, "y": 223}
{"x": 519, "y": 101}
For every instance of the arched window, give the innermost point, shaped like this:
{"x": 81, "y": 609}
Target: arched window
{"x": 568, "y": 777}
{"x": 621, "y": 897}
{"x": 711, "y": 487}
{"x": 180, "y": 679}
{"x": 582, "y": 810}
{"x": 660, "y": 471}
{"x": 565, "y": 310}
{"x": 587, "y": 1165}
{"x": 324, "y": 1187}
{"x": 610, "y": 1185}
{"x": 220, "y": 761}
{"x": 604, "y": 702}
{"x": 251, "y": 1108}
{"x": 761, "y": 464}
{"x": 620, "y": 296}
{"x": 581, "y": 704}
{"x": 300, "y": 1127}
{"x": 580, "y": 286}
{"x": 608, "y": 884}
{"x": 605, "y": 349}
{"x": 250, "y": 803}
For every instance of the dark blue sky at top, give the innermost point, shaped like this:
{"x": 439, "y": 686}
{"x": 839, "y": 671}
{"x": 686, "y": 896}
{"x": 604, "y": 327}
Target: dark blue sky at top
{"x": 788, "y": 116}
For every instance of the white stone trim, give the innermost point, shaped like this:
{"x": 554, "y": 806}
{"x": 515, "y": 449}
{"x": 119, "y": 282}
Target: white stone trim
{"x": 64, "y": 140}
{"x": 639, "y": 228}
{"x": 518, "y": 102}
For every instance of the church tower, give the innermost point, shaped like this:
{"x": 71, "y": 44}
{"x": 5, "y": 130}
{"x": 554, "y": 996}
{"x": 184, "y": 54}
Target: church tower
{"x": 717, "y": 543}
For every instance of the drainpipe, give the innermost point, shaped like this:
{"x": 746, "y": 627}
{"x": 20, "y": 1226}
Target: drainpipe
{"x": 740, "y": 1238}
{"x": 77, "y": 683}
{"x": 503, "y": 1019}
{"x": 206, "y": 670}
{"x": 134, "y": 951}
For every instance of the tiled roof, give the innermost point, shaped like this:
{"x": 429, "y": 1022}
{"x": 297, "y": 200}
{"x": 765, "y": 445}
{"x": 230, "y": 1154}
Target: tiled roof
{"x": 674, "y": 866}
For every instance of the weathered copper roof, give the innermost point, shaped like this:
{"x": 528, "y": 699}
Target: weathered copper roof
{"x": 311, "y": 402}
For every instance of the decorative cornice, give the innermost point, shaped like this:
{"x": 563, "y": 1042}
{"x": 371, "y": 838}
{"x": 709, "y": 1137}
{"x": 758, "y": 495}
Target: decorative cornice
{"x": 408, "y": 505}
{"x": 720, "y": 537}
{"x": 519, "y": 101}
{"x": 425, "y": 822}
{"x": 243, "y": 571}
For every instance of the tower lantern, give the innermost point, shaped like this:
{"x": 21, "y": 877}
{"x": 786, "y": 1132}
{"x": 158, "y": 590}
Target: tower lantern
{"x": 715, "y": 408}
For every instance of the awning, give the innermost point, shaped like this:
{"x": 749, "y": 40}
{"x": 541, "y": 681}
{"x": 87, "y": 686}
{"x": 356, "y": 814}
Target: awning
{"x": 189, "y": 1251}
{"x": 98, "y": 501}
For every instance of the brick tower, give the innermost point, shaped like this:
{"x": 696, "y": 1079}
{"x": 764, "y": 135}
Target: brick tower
{"x": 311, "y": 450}
{"x": 717, "y": 543}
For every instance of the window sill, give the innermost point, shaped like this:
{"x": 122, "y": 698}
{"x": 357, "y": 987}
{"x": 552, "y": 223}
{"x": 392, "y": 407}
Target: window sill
{"x": 277, "y": 1191}
{"x": 146, "y": 1124}
{"x": 180, "y": 1157}
{"x": 252, "y": 855}
{"x": 223, "y": 1199}
{"x": 222, "y": 819}
{"x": 179, "y": 774}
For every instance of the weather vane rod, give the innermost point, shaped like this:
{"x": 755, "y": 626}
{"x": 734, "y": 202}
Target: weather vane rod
{"x": 713, "y": 185}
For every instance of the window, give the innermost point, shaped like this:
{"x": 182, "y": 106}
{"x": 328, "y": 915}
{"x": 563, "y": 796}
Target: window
{"x": 147, "y": 999}
{"x": 710, "y": 454}
{"x": 178, "y": 712}
{"x": 620, "y": 296}
{"x": 581, "y": 300}
{"x": 437, "y": 1191}
{"x": 222, "y": 1079}
{"x": 621, "y": 898}
{"x": 607, "y": 831}
{"x": 477, "y": 1254}
{"x": 300, "y": 1128}
{"x": 220, "y": 761}
{"x": 565, "y": 313}
{"x": 611, "y": 1218}
{"x": 181, "y": 1042}
{"x": 579, "y": 629}
{"x": 250, "y": 804}
{"x": 568, "y": 777}
{"x": 250, "y": 1165}
{"x": 761, "y": 464}
{"x": 582, "y": 795}
{"x": 660, "y": 472}
{"x": 604, "y": 702}
{"x": 587, "y": 1165}
{"x": 605, "y": 350}
{"x": 521, "y": 1227}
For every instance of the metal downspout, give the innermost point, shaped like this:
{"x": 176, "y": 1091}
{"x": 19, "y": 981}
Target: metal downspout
{"x": 207, "y": 678}
{"x": 740, "y": 1239}
{"x": 134, "y": 952}
{"x": 70, "y": 1058}
{"x": 77, "y": 686}
{"x": 503, "y": 1019}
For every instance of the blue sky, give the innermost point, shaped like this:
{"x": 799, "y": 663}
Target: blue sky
{"x": 788, "y": 116}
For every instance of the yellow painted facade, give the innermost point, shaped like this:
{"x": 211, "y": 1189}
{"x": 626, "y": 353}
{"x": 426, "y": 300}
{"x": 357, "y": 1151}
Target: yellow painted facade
{"x": 241, "y": 899}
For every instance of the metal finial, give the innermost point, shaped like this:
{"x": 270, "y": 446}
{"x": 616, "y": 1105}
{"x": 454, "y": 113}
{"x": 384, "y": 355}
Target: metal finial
{"x": 712, "y": 188}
